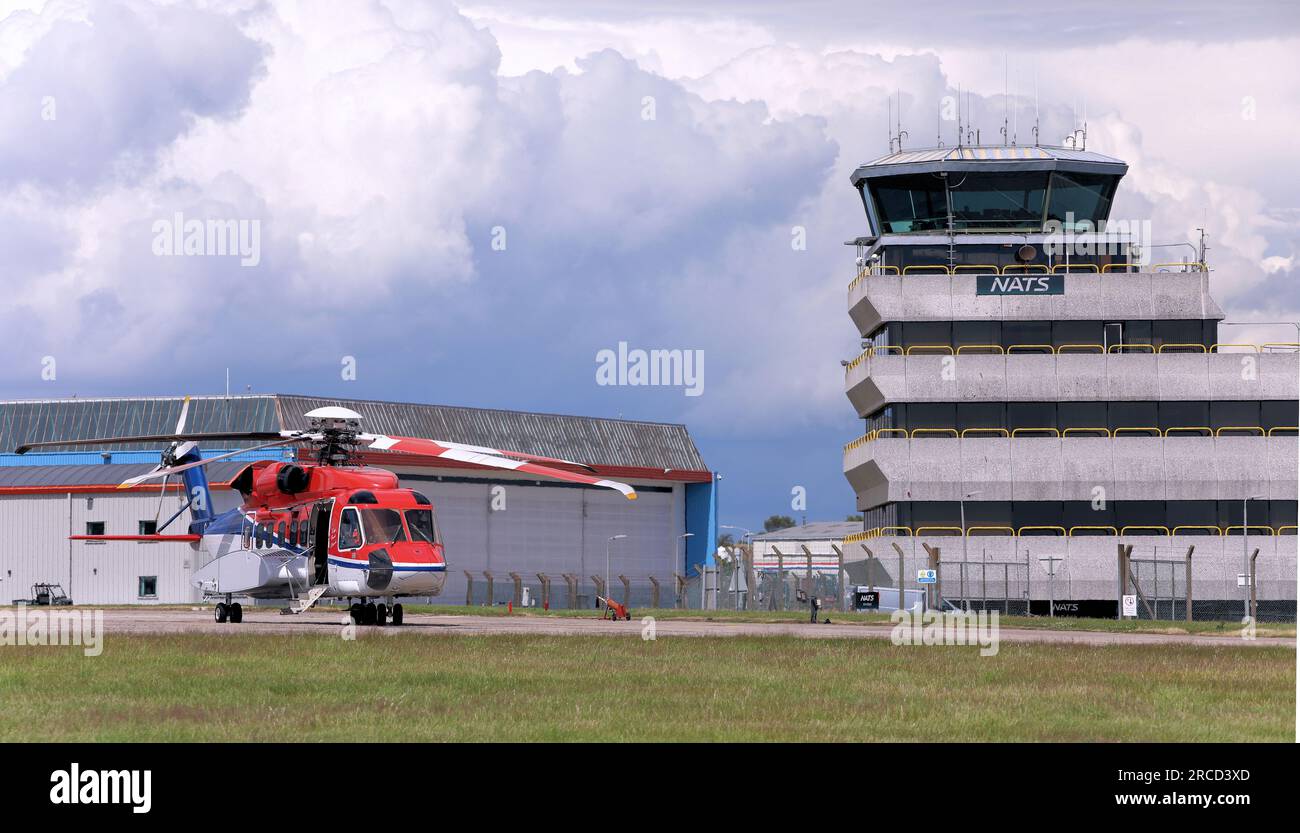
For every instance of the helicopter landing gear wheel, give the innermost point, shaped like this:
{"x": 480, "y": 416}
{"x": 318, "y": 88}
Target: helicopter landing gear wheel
{"x": 236, "y": 613}
{"x": 397, "y": 615}
{"x": 381, "y": 615}
{"x": 370, "y": 613}
{"x": 221, "y": 613}
{"x": 358, "y": 613}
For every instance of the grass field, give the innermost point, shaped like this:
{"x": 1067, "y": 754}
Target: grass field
{"x": 402, "y": 686}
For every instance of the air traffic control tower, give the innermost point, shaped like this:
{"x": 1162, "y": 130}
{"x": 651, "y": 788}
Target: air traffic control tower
{"x": 1037, "y": 389}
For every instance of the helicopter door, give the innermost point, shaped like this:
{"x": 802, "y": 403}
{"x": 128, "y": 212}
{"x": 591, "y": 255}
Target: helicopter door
{"x": 320, "y": 524}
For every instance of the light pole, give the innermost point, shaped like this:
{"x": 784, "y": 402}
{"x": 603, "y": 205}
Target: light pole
{"x": 1245, "y": 548}
{"x": 683, "y": 538}
{"x": 609, "y": 543}
{"x": 962, "y": 505}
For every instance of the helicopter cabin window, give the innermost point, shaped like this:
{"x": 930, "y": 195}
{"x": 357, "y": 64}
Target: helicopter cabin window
{"x": 382, "y": 526}
{"x": 293, "y": 531}
{"x": 420, "y": 522}
{"x": 349, "y": 530}
{"x": 248, "y": 535}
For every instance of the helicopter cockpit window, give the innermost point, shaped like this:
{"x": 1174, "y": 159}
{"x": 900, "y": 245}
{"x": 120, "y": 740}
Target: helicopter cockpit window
{"x": 349, "y": 530}
{"x": 383, "y": 526}
{"x": 420, "y": 522}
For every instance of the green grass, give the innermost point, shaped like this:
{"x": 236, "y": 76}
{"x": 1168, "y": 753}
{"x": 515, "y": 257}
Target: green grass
{"x": 409, "y": 686}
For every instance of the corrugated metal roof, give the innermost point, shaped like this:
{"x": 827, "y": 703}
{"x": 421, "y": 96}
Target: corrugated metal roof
{"x": 77, "y": 419}
{"x": 600, "y": 442}
{"x": 110, "y": 474}
{"x": 993, "y": 153}
{"x": 816, "y": 531}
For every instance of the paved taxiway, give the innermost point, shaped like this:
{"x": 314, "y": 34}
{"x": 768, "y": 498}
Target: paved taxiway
{"x": 263, "y": 621}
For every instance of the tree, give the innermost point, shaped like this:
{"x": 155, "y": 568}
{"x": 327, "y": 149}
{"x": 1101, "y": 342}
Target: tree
{"x": 726, "y": 540}
{"x": 775, "y": 522}
{"x": 853, "y": 518}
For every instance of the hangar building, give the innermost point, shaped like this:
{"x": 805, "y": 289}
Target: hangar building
{"x": 491, "y": 520}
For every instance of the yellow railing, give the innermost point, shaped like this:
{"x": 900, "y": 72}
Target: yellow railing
{"x": 1098, "y": 432}
{"x": 1189, "y": 348}
{"x": 1121, "y": 348}
{"x": 1268, "y": 530}
{"x": 992, "y": 530}
{"x": 1208, "y": 431}
{"x": 861, "y": 357}
{"x": 1217, "y": 348}
{"x": 993, "y": 348}
{"x": 1031, "y": 348}
{"x": 1141, "y": 430}
{"x": 1164, "y": 530}
{"x": 1081, "y": 348}
{"x": 938, "y": 348}
{"x": 1013, "y": 269}
{"x": 1109, "y": 530}
{"x": 1001, "y": 432}
{"x": 1058, "y": 529}
{"x": 1200, "y": 267}
{"x": 1210, "y": 529}
{"x": 1288, "y": 346}
{"x": 940, "y": 432}
{"x": 1016, "y": 432}
{"x": 1052, "y": 531}
{"x": 1248, "y": 428}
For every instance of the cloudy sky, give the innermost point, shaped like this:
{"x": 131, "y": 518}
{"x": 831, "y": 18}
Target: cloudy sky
{"x": 473, "y": 201}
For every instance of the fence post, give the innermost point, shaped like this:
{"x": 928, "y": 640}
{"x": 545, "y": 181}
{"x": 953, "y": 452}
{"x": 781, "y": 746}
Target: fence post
{"x": 936, "y": 589}
{"x": 546, "y": 590}
{"x": 491, "y": 597}
{"x": 1254, "y": 604}
{"x": 1123, "y": 581}
{"x": 680, "y": 601}
{"x": 627, "y": 588}
{"x": 518, "y": 598}
{"x": 1188, "y": 603}
{"x": 654, "y": 592}
{"x": 572, "y": 582}
{"x": 839, "y": 577}
{"x": 469, "y": 588}
{"x": 899, "y": 580}
{"x": 599, "y": 581}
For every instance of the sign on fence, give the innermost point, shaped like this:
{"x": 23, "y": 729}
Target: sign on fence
{"x": 1130, "y": 606}
{"x": 926, "y": 577}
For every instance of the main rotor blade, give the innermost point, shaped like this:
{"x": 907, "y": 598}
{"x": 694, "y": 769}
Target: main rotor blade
{"x": 170, "y": 470}
{"x": 185, "y": 411}
{"x": 157, "y": 438}
{"x": 481, "y": 456}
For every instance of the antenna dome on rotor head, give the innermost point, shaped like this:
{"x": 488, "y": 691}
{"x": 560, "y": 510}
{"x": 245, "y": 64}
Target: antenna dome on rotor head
{"x": 333, "y": 412}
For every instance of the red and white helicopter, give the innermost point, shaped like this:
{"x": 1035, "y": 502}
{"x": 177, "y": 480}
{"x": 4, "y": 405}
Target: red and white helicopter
{"x": 320, "y": 529}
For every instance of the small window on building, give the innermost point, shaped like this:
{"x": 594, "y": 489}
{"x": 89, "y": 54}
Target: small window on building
{"x": 94, "y": 527}
{"x": 148, "y": 527}
{"x": 148, "y": 587}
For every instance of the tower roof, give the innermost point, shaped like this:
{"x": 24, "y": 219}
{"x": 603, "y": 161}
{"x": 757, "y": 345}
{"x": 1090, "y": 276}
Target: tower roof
{"x": 990, "y": 158}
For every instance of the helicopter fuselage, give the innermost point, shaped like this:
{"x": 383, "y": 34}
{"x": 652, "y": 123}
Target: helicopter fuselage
{"x": 351, "y": 530}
